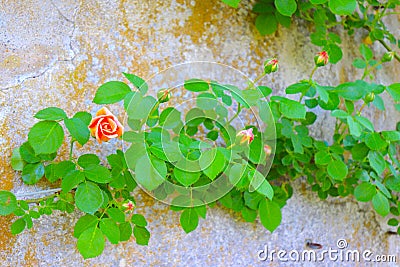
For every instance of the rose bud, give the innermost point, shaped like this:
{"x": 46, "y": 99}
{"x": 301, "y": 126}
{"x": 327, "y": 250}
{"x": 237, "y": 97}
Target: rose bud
{"x": 270, "y": 65}
{"x": 369, "y": 97}
{"x": 129, "y": 206}
{"x": 321, "y": 59}
{"x": 267, "y": 150}
{"x": 247, "y": 136}
{"x": 105, "y": 126}
{"x": 163, "y": 95}
{"x": 388, "y": 56}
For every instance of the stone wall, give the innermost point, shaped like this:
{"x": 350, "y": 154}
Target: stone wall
{"x": 56, "y": 53}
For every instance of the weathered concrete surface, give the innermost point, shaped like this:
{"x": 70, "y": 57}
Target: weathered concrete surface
{"x": 56, "y": 53}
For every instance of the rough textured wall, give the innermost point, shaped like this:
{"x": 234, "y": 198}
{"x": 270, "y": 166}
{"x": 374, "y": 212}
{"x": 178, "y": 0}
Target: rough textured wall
{"x": 56, "y": 53}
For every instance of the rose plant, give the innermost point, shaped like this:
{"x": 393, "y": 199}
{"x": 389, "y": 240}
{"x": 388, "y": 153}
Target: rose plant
{"x": 206, "y": 156}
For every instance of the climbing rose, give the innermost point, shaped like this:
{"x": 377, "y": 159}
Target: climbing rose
{"x": 105, "y": 126}
{"x": 271, "y": 65}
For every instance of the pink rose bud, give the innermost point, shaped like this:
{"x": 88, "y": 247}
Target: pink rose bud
{"x": 129, "y": 206}
{"x": 267, "y": 150}
{"x": 270, "y": 65}
{"x": 247, "y": 136}
{"x": 321, "y": 59}
{"x": 105, "y": 126}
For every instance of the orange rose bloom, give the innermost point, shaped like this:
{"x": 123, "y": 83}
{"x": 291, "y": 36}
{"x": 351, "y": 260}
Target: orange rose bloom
{"x": 105, "y": 126}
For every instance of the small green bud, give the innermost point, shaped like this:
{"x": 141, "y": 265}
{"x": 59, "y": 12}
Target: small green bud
{"x": 369, "y": 97}
{"x": 388, "y": 56}
{"x": 163, "y": 95}
{"x": 270, "y": 65}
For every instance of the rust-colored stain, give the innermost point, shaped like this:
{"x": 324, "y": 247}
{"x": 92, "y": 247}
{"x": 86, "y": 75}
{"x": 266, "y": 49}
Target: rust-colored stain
{"x": 198, "y": 24}
{"x": 6, "y": 183}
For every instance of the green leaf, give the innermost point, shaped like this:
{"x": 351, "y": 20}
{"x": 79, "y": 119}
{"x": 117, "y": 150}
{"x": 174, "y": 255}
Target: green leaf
{"x": 391, "y": 136}
{"x": 28, "y": 154}
{"x": 249, "y": 215}
{"x": 316, "y": 2}
{"x": 296, "y": 88}
{"x": 359, "y": 63}
{"x": 97, "y": 173}
{"x": 206, "y": 101}
{"x": 150, "y": 172}
{"x": 266, "y": 24}
{"x": 138, "y": 82}
{"x": 337, "y": 170}
{"x": 393, "y": 222}
{"x": 377, "y": 161}
{"x": 374, "y": 141}
{"x": 378, "y": 102}
{"x": 61, "y": 169}
{"x": 111, "y": 92}
{"x": 51, "y": 114}
{"x": 394, "y": 91}
{"x": 265, "y": 90}
{"x": 71, "y": 180}
{"x": 32, "y": 173}
{"x": 322, "y": 157}
{"x": 84, "y": 223}
{"x": 323, "y": 94}
{"x": 355, "y": 128}
{"x": 201, "y": 211}
{"x": 342, "y": 7}
{"x": 189, "y": 220}
{"x": 116, "y": 214}
{"x": 194, "y": 117}
{"x": 142, "y": 235}
{"x": 359, "y": 151}
{"x": 88, "y": 197}
{"x": 270, "y": 214}
{"x": 125, "y": 230}
{"x": 139, "y": 220}
{"x": 196, "y": 85}
{"x": 91, "y": 243}
{"x": 338, "y": 113}
{"x": 350, "y": 90}
{"x": 283, "y": 20}
{"x": 186, "y": 178}
{"x": 366, "y": 52}
{"x": 381, "y": 204}
{"x": 212, "y": 163}
{"x": 292, "y": 109}
{"x": 78, "y": 130}
{"x": 259, "y": 183}
{"x": 84, "y": 116}
{"x": 46, "y": 137}
{"x": 286, "y": 7}
{"x": 88, "y": 159}
{"x": 335, "y": 53}
{"x": 364, "y": 192}
{"x": 232, "y": 3}
{"x": 17, "y": 163}
{"x": 110, "y": 229}
{"x": 8, "y": 202}
{"x": 170, "y": 118}
{"x": 365, "y": 122}
{"x": 18, "y": 226}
